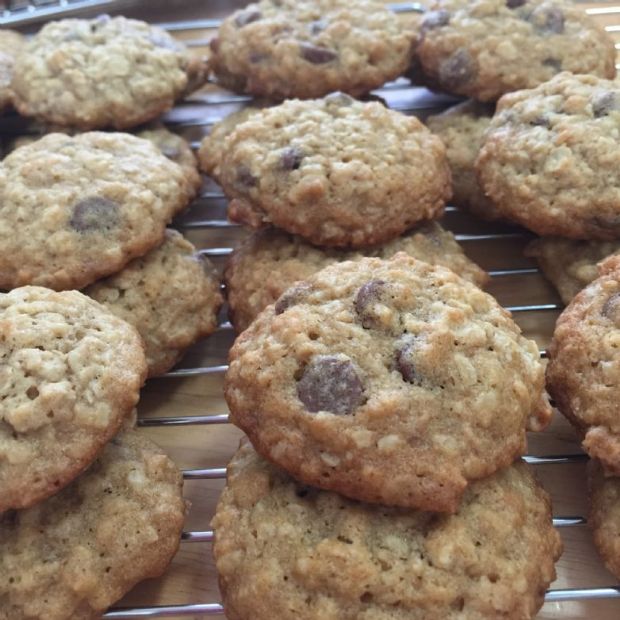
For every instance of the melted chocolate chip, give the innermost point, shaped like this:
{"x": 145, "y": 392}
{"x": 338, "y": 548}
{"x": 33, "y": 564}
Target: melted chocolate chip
{"x": 515, "y": 4}
{"x": 292, "y": 297}
{"x": 338, "y": 98}
{"x": 542, "y": 120}
{"x": 554, "y": 63}
{"x": 458, "y": 70}
{"x": 404, "y": 360}
{"x": 604, "y": 103}
{"x": 611, "y": 309}
{"x": 366, "y": 297}
{"x": 331, "y": 383}
{"x": 291, "y": 158}
{"x": 245, "y": 180}
{"x": 549, "y": 20}
{"x": 247, "y": 17}
{"x": 95, "y": 214}
{"x": 436, "y": 19}
{"x": 316, "y": 55}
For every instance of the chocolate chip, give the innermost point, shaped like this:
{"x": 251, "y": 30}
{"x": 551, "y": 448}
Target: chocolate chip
{"x": 316, "y": 55}
{"x": 245, "y": 180}
{"x": 331, "y": 383}
{"x": 611, "y": 309}
{"x": 542, "y": 120}
{"x": 291, "y": 158}
{"x": 554, "y": 63}
{"x": 458, "y": 70}
{"x": 515, "y": 4}
{"x": 436, "y": 19}
{"x": 95, "y": 214}
{"x": 305, "y": 491}
{"x": 247, "y": 17}
{"x": 549, "y": 20}
{"x": 404, "y": 359}
{"x": 604, "y": 103}
{"x": 338, "y": 98}
{"x": 366, "y": 297}
{"x": 292, "y": 297}
{"x": 256, "y": 57}
{"x": 318, "y": 26}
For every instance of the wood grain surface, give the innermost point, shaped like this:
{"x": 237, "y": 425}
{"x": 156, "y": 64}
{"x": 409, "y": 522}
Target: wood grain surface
{"x": 191, "y": 578}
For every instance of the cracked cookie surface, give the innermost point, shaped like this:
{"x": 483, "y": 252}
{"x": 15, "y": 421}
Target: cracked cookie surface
{"x": 70, "y": 376}
{"x": 394, "y": 382}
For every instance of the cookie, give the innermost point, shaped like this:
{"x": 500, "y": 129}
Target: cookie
{"x": 70, "y": 374}
{"x": 605, "y": 515}
{"x": 75, "y": 209}
{"x": 461, "y": 129}
{"x": 288, "y": 551}
{"x": 171, "y": 296}
{"x": 584, "y": 366}
{"x": 269, "y": 261}
{"x": 389, "y": 381}
{"x": 335, "y": 171}
{"x": 103, "y": 72}
{"x": 282, "y": 49}
{"x": 78, "y": 552}
{"x": 550, "y": 159}
{"x": 486, "y": 48}
{"x": 11, "y": 43}
{"x": 568, "y": 264}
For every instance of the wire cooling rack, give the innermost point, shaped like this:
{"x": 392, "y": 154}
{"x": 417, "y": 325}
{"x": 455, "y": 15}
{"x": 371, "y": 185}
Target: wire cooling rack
{"x": 511, "y": 278}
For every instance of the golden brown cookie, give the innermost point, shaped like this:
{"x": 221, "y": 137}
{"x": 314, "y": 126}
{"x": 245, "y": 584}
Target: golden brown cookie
{"x": 70, "y": 374}
{"x": 11, "y": 43}
{"x": 389, "y": 381}
{"x": 292, "y": 552}
{"x": 270, "y": 260}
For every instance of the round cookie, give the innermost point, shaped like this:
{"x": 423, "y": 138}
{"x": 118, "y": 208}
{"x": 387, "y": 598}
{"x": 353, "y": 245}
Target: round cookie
{"x": 550, "y": 159}
{"x": 584, "y": 365}
{"x": 11, "y": 43}
{"x": 75, "y": 209}
{"x": 394, "y": 382}
{"x": 171, "y": 296}
{"x": 103, "y": 72}
{"x": 461, "y": 128}
{"x": 568, "y": 264}
{"x": 335, "y": 171}
{"x": 288, "y": 551}
{"x": 282, "y": 49}
{"x": 486, "y": 48}
{"x": 605, "y": 515}
{"x": 78, "y": 552}
{"x": 269, "y": 261}
{"x": 70, "y": 375}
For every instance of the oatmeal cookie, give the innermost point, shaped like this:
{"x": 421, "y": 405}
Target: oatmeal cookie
{"x": 307, "y": 48}
{"x": 70, "y": 374}
{"x": 270, "y": 260}
{"x": 78, "y": 552}
{"x": 389, "y": 381}
{"x": 335, "y": 171}
{"x": 583, "y": 375}
{"x": 103, "y": 72}
{"x": 551, "y": 161}
{"x": 461, "y": 129}
{"x": 486, "y": 48}
{"x": 171, "y": 296}
{"x": 288, "y": 551}
{"x": 569, "y": 264}
{"x": 11, "y": 43}
{"x": 75, "y": 209}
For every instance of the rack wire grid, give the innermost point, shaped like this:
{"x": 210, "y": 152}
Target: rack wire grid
{"x": 196, "y": 384}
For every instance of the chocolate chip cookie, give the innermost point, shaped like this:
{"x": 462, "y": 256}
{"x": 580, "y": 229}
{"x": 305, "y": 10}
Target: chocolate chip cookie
{"x": 284, "y": 550}
{"x": 605, "y": 515}
{"x": 568, "y": 264}
{"x": 307, "y": 48}
{"x": 78, "y": 552}
{"x": 584, "y": 366}
{"x": 103, "y": 72}
{"x": 11, "y": 43}
{"x": 70, "y": 374}
{"x": 551, "y": 161}
{"x": 75, "y": 209}
{"x": 461, "y": 129}
{"x": 269, "y": 261}
{"x": 335, "y": 171}
{"x": 486, "y": 48}
{"x": 171, "y": 296}
{"x": 389, "y": 381}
